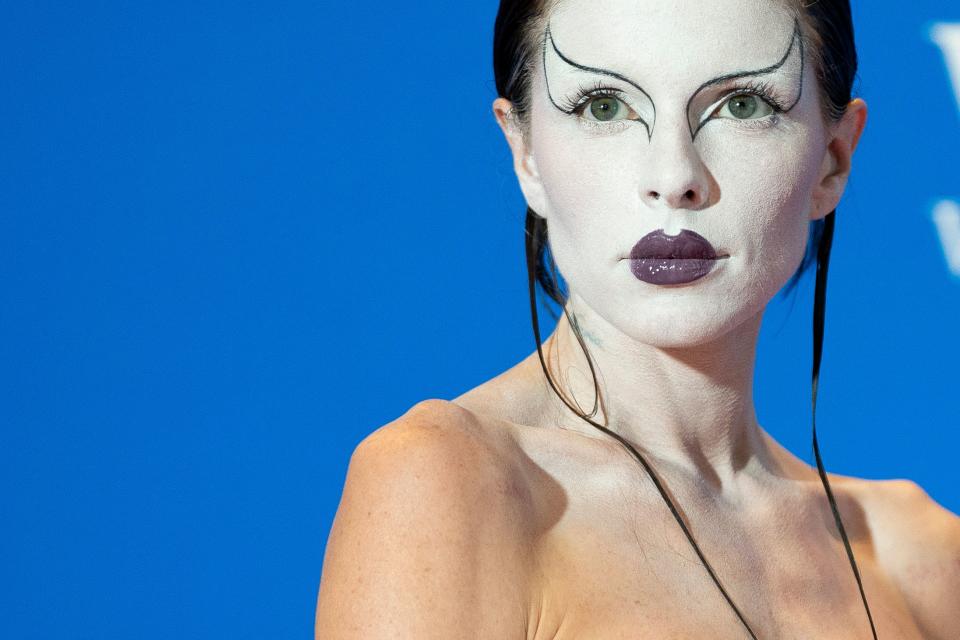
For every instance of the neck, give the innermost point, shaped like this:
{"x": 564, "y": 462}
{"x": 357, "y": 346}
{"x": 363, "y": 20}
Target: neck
{"x": 690, "y": 408}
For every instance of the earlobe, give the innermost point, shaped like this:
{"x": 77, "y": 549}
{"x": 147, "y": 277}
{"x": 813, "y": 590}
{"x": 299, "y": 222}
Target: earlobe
{"x": 529, "y": 178}
{"x": 843, "y": 138}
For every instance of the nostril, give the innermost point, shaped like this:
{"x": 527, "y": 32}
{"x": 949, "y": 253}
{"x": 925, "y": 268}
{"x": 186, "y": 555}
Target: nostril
{"x": 654, "y": 195}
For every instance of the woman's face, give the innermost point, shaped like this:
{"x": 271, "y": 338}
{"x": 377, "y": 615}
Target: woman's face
{"x": 698, "y": 115}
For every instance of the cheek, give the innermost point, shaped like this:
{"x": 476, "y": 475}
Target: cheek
{"x": 581, "y": 173}
{"x": 591, "y": 193}
{"x": 766, "y": 180}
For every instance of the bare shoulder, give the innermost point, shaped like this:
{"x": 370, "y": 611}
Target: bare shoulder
{"x": 430, "y": 537}
{"x": 441, "y": 423}
{"x": 452, "y": 447}
{"x": 918, "y": 543}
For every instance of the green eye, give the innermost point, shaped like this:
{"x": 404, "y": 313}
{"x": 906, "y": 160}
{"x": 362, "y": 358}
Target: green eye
{"x": 745, "y": 106}
{"x": 605, "y": 108}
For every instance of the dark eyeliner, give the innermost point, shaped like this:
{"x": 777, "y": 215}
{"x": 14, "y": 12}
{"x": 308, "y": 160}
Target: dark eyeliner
{"x": 576, "y": 103}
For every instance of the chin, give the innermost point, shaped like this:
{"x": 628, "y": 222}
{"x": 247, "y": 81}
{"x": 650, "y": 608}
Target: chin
{"x": 688, "y": 330}
{"x": 683, "y": 317}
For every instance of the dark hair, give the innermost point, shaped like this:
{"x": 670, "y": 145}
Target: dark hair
{"x": 827, "y": 28}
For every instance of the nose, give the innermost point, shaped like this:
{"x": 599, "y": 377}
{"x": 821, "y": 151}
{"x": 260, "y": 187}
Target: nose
{"x": 678, "y": 178}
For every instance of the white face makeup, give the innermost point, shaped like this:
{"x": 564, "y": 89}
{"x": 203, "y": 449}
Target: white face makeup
{"x": 675, "y": 114}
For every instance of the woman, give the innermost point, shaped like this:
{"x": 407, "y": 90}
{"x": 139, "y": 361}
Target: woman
{"x": 616, "y": 483}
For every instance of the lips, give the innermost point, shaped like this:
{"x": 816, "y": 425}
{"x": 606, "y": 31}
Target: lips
{"x": 687, "y": 245}
{"x": 661, "y": 259}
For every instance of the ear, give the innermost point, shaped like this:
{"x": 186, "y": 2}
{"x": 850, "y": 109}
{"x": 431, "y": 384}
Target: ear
{"x": 843, "y": 137}
{"x": 524, "y": 164}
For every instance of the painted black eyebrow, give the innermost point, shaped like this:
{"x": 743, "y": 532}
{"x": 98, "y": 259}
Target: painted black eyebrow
{"x": 795, "y": 37}
{"x": 548, "y": 35}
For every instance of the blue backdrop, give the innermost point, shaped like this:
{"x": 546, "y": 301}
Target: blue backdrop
{"x": 235, "y": 238}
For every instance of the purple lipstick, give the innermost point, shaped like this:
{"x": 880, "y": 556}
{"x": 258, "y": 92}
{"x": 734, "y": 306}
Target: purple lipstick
{"x": 661, "y": 259}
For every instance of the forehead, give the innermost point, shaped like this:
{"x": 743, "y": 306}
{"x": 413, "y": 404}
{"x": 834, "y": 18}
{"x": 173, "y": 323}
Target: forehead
{"x": 660, "y": 38}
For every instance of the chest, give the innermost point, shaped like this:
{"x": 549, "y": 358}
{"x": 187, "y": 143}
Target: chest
{"x": 640, "y": 599}
{"x": 616, "y": 564}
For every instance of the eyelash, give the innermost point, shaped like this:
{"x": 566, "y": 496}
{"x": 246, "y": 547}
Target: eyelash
{"x": 576, "y": 104}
